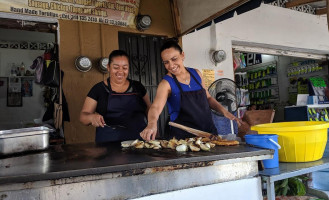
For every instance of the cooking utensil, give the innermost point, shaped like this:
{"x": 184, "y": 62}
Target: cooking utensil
{"x": 193, "y": 131}
{"x": 83, "y": 64}
{"x": 115, "y": 126}
{"x": 24, "y": 139}
{"x": 102, "y": 65}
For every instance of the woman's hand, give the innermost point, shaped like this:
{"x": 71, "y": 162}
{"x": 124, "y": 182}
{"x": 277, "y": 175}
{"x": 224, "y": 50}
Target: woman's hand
{"x": 149, "y": 132}
{"x": 230, "y": 116}
{"x": 97, "y": 120}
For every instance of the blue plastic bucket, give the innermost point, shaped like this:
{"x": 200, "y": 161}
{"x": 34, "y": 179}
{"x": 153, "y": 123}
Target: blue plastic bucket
{"x": 268, "y": 141}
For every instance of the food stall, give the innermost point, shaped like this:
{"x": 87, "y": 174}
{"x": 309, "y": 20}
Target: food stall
{"x": 107, "y": 171}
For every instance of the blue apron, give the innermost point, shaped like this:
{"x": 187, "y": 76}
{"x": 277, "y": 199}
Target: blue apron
{"x": 125, "y": 115}
{"x": 194, "y": 112}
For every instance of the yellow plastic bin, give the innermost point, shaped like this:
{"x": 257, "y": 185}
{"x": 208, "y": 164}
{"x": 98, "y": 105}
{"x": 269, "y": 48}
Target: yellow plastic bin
{"x": 301, "y": 141}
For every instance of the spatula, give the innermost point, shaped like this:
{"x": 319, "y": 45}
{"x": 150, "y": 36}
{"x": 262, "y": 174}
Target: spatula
{"x": 193, "y": 131}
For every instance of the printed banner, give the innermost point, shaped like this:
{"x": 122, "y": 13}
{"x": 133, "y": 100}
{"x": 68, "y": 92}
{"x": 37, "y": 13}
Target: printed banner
{"x": 113, "y": 12}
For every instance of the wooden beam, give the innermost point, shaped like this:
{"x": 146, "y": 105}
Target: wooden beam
{"x": 321, "y": 11}
{"x": 176, "y": 17}
{"x": 299, "y": 3}
{"x": 214, "y": 16}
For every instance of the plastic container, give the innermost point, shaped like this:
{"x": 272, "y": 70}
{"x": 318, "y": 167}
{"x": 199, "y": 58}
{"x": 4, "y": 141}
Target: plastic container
{"x": 269, "y": 141}
{"x": 301, "y": 141}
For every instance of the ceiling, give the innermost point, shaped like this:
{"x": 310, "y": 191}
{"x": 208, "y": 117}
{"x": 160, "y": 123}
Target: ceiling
{"x": 193, "y": 14}
{"x": 188, "y": 15}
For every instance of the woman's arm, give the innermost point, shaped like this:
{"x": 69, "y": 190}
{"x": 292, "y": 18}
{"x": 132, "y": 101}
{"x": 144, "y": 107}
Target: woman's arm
{"x": 147, "y": 101}
{"x": 155, "y": 110}
{"x": 88, "y": 116}
{"x": 215, "y": 105}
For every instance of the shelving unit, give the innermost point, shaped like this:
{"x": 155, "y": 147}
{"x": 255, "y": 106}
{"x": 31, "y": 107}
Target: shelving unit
{"x": 261, "y": 82}
{"x": 299, "y": 73}
{"x": 318, "y": 112}
{"x": 254, "y": 67}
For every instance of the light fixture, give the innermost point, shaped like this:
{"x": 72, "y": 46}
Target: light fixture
{"x": 218, "y": 56}
{"x": 143, "y": 22}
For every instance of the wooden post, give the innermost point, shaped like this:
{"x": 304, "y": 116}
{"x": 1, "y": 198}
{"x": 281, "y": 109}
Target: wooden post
{"x": 175, "y": 16}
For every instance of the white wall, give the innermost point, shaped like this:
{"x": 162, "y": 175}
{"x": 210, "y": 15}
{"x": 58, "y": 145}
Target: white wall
{"x": 33, "y": 107}
{"x": 267, "y": 26}
{"x": 238, "y": 190}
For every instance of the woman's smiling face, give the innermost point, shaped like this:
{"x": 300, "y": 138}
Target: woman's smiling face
{"x": 119, "y": 69}
{"x": 173, "y": 60}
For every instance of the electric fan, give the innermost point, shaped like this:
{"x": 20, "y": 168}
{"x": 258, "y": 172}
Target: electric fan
{"x": 226, "y": 92}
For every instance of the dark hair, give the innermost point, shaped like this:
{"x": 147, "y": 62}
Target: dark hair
{"x": 116, "y": 53}
{"x": 171, "y": 43}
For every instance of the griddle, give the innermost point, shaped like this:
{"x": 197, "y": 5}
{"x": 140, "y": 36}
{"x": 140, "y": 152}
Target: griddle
{"x": 62, "y": 161}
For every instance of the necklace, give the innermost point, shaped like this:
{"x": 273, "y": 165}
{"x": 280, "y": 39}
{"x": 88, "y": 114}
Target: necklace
{"x": 187, "y": 83}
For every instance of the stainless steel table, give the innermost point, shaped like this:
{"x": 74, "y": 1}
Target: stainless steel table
{"x": 287, "y": 170}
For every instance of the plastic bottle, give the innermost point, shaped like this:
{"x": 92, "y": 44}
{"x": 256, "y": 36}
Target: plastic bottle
{"x": 22, "y": 69}
{"x": 13, "y": 70}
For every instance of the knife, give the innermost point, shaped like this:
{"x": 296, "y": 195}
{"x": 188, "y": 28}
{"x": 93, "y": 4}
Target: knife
{"x": 114, "y": 126}
{"x": 193, "y": 131}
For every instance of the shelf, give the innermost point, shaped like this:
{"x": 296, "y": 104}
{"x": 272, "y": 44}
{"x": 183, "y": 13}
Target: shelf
{"x": 17, "y": 76}
{"x": 308, "y": 75}
{"x": 253, "y": 67}
{"x": 265, "y": 77}
{"x": 311, "y": 106}
{"x": 264, "y": 88}
{"x": 318, "y": 106}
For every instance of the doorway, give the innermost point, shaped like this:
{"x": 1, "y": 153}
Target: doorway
{"x": 22, "y": 41}
{"x": 274, "y": 81}
{"x": 146, "y": 65}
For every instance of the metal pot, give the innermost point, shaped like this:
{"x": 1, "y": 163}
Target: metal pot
{"x": 102, "y": 65}
{"x": 83, "y": 64}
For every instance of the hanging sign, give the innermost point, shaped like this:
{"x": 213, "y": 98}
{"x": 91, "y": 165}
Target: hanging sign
{"x": 113, "y": 12}
{"x": 253, "y": 59}
{"x": 318, "y": 82}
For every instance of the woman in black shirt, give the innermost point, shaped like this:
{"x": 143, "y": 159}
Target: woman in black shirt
{"x": 118, "y": 106}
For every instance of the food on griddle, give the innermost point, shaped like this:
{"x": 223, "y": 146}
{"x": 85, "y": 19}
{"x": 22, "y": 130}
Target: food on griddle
{"x": 139, "y": 145}
{"x": 164, "y": 143}
{"x": 225, "y": 142}
{"x": 181, "y": 141}
{"x": 126, "y": 144}
{"x": 157, "y": 147}
{"x": 182, "y": 147}
{"x": 173, "y": 143}
{"x": 212, "y": 145}
{"x": 193, "y": 147}
{"x": 134, "y": 142}
{"x": 192, "y": 144}
{"x": 148, "y": 145}
{"x": 205, "y": 146}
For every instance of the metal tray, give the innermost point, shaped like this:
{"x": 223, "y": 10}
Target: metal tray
{"x": 25, "y": 139}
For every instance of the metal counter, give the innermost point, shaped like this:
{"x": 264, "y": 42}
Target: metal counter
{"x": 288, "y": 170}
{"x": 102, "y": 166}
